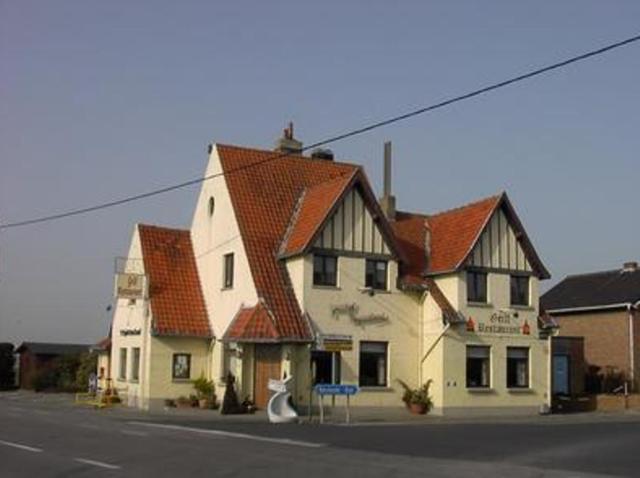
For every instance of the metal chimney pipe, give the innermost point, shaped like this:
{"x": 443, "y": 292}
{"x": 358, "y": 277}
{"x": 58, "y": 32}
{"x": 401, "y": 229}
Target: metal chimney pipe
{"x": 387, "y": 169}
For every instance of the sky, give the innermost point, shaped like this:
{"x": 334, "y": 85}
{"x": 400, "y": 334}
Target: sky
{"x": 101, "y": 100}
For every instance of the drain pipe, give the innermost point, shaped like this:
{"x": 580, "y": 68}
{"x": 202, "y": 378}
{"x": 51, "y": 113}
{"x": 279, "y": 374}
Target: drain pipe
{"x": 435, "y": 342}
{"x": 630, "y": 309}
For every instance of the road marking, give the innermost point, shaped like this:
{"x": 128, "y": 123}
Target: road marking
{"x": 135, "y": 433}
{"x": 21, "y": 447}
{"x": 100, "y": 464}
{"x": 245, "y": 436}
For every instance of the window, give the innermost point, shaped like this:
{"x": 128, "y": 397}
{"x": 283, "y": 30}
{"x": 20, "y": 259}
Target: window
{"x": 324, "y": 270}
{"x": 212, "y": 206}
{"x": 376, "y": 274}
{"x": 476, "y": 286}
{"x": 517, "y": 367}
{"x": 228, "y": 271}
{"x": 135, "y": 364}
{"x": 519, "y": 290}
{"x": 122, "y": 375}
{"x": 181, "y": 369}
{"x": 478, "y": 366}
{"x": 325, "y": 367}
{"x": 373, "y": 364}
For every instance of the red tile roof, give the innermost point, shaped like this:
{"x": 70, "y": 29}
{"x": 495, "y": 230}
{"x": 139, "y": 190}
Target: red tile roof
{"x": 104, "y": 344}
{"x": 265, "y": 187}
{"x": 252, "y": 324}
{"x": 313, "y": 208}
{"x": 177, "y": 303}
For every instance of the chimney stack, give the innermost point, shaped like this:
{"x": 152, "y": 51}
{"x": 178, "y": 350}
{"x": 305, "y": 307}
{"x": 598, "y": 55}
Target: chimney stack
{"x": 388, "y": 200}
{"x": 288, "y": 144}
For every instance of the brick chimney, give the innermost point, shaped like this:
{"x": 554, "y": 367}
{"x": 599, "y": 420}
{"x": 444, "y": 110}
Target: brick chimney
{"x": 288, "y": 144}
{"x": 388, "y": 200}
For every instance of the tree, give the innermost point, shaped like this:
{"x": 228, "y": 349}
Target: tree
{"x": 7, "y": 362}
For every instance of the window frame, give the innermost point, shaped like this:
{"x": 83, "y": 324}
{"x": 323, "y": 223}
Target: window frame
{"x": 385, "y": 356}
{"x": 335, "y": 364}
{"x": 473, "y": 298}
{"x": 515, "y": 361}
{"x": 483, "y": 369}
{"x": 324, "y": 258}
{"x": 371, "y": 279}
{"x": 514, "y": 287}
{"x": 135, "y": 368}
{"x": 173, "y": 366}
{"x": 228, "y": 270}
{"x": 122, "y": 365}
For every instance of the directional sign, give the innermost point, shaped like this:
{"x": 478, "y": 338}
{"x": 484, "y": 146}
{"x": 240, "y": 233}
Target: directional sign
{"x": 330, "y": 389}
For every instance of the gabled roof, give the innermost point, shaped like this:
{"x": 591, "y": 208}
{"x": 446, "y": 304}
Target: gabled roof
{"x": 252, "y": 324}
{"x": 265, "y": 188}
{"x": 453, "y": 235}
{"x": 44, "y": 348}
{"x": 175, "y": 295}
{"x": 595, "y": 290}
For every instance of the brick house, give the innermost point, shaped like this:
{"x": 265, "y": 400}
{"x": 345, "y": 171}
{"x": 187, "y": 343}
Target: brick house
{"x": 602, "y": 307}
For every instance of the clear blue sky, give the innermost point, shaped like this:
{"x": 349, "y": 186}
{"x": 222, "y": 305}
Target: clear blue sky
{"x": 100, "y": 100}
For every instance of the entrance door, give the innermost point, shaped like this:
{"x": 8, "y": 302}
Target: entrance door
{"x": 267, "y": 365}
{"x": 561, "y": 385}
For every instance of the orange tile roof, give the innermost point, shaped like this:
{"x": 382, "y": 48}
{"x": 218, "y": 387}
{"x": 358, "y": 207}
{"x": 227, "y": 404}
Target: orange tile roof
{"x": 265, "y": 187}
{"x": 252, "y": 324}
{"x": 314, "y": 206}
{"x": 177, "y": 303}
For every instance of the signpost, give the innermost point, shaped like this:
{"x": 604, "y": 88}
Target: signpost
{"x": 323, "y": 389}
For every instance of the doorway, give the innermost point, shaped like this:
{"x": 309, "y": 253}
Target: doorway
{"x": 267, "y": 366}
{"x": 561, "y": 375}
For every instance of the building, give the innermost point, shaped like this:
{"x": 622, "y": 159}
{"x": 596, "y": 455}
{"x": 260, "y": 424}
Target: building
{"x": 36, "y": 357}
{"x": 293, "y": 268}
{"x": 602, "y": 307}
{"x": 103, "y": 362}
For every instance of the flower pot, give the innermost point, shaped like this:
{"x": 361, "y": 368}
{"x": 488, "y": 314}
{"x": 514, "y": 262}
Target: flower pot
{"x": 204, "y": 403}
{"x": 418, "y": 408}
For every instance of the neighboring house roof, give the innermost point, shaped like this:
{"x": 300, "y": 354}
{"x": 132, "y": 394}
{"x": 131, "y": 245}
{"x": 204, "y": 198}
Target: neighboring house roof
{"x": 103, "y": 345}
{"x": 252, "y": 324}
{"x": 265, "y": 188}
{"x": 453, "y": 235}
{"x": 43, "y": 348}
{"x": 594, "y": 290}
{"x": 175, "y": 295}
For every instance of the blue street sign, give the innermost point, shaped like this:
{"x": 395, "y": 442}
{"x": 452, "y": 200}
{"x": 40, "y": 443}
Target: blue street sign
{"x": 329, "y": 389}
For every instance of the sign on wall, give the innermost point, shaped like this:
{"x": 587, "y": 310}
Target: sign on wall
{"x": 129, "y": 286}
{"x": 335, "y": 343}
{"x": 501, "y": 322}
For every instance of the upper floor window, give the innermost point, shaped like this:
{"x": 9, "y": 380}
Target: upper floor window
{"x": 476, "y": 286}
{"x": 135, "y": 364}
{"x": 122, "y": 371}
{"x": 227, "y": 280}
{"x": 325, "y": 270}
{"x": 376, "y": 274}
{"x": 519, "y": 290}
{"x": 212, "y": 206}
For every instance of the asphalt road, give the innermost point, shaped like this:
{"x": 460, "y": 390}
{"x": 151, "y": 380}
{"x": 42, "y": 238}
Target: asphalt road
{"x": 48, "y": 438}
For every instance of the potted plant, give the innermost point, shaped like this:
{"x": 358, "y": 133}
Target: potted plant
{"x": 417, "y": 400}
{"x": 205, "y": 390}
{"x": 183, "y": 402}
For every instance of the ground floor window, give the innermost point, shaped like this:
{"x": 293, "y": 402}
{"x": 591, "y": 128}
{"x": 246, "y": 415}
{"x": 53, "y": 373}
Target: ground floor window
{"x": 325, "y": 367}
{"x": 135, "y": 364}
{"x": 517, "y": 367}
{"x": 478, "y": 366}
{"x": 122, "y": 374}
{"x": 181, "y": 368}
{"x": 373, "y": 364}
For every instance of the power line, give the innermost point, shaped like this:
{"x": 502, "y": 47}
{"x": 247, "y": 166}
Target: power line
{"x": 349, "y": 134}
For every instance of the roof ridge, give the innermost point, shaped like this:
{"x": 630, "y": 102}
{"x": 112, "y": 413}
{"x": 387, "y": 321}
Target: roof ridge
{"x": 594, "y": 273}
{"x": 163, "y": 228}
{"x": 287, "y": 155}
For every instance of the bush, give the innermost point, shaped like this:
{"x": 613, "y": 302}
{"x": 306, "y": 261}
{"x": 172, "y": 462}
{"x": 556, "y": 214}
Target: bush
{"x": 7, "y": 361}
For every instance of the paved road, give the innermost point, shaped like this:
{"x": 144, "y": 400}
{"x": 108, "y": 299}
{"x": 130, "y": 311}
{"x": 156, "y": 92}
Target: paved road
{"x": 44, "y": 438}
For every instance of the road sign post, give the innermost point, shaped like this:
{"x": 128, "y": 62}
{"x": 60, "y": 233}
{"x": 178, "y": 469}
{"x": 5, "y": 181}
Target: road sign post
{"x": 333, "y": 390}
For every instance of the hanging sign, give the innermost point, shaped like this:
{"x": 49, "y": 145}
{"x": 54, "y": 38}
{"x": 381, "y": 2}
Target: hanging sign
{"x": 129, "y": 286}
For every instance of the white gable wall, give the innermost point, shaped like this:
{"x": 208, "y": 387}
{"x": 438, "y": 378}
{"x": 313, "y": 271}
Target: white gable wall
{"x": 213, "y": 237}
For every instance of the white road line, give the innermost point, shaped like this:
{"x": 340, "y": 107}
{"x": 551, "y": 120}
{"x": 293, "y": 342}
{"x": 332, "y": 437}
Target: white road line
{"x": 245, "y": 436}
{"x": 21, "y": 447}
{"x": 134, "y": 433}
{"x": 100, "y": 464}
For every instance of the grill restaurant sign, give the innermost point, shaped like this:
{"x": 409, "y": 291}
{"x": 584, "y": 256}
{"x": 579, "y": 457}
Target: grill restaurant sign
{"x": 500, "y": 323}
{"x": 129, "y": 286}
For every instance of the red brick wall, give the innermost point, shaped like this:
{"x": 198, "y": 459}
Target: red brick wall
{"x": 606, "y": 336}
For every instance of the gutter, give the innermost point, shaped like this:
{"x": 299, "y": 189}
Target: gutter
{"x": 592, "y": 307}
